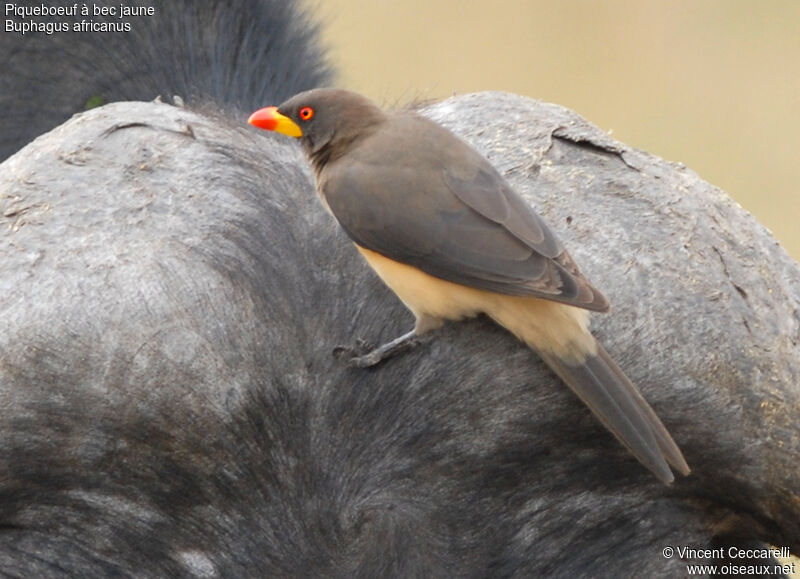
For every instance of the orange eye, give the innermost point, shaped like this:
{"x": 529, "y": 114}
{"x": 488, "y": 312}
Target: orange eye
{"x": 306, "y": 113}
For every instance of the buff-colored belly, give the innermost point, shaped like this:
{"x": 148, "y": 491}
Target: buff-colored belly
{"x": 542, "y": 324}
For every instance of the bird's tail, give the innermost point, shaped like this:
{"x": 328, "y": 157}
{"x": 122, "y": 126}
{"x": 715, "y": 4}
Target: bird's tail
{"x": 618, "y": 404}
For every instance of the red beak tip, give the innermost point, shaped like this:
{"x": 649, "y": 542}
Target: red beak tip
{"x": 264, "y": 118}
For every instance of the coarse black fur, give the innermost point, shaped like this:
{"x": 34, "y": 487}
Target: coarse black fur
{"x": 229, "y": 54}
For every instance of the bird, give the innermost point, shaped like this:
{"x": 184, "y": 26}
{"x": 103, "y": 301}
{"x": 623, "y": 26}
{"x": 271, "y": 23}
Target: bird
{"x": 448, "y": 234}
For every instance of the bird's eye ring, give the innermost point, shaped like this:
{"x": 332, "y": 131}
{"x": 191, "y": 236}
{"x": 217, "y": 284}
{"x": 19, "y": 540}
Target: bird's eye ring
{"x": 306, "y": 113}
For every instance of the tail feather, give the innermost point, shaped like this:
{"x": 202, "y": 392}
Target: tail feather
{"x": 619, "y": 405}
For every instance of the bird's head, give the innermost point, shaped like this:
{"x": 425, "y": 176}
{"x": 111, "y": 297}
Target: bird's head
{"x": 326, "y": 120}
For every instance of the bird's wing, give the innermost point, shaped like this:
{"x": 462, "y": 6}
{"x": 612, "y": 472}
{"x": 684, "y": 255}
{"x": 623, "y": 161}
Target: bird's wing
{"x": 441, "y": 207}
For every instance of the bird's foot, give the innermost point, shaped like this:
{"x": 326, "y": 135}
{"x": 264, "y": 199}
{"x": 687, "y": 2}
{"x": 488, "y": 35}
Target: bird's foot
{"x": 347, "y": 353}
{"x": 363, "y": 356}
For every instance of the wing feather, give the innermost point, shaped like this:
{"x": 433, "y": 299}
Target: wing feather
{"x": 441, "y": 207}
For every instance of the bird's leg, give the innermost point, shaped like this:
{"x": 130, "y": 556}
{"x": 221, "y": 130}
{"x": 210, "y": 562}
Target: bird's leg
{"x": 387, "y": 350}
{"x": 407, "y": 341}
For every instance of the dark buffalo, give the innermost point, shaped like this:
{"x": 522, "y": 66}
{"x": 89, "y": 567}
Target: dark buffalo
{"x": 170, "y": 295}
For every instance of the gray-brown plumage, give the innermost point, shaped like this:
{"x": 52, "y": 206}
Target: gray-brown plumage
{"x": 448, "y": 234}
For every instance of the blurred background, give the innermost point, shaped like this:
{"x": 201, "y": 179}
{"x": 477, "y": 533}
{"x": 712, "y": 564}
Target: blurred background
{"x": 714, "y": 84}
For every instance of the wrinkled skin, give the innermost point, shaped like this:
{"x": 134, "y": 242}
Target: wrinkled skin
{"x": 171, "y": 293}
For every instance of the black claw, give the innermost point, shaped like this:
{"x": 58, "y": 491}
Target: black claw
{"x": 343, "y": 352}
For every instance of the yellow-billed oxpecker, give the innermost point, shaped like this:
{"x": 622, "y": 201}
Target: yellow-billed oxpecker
{"x": 447, "y": 233}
